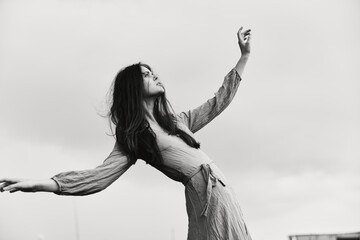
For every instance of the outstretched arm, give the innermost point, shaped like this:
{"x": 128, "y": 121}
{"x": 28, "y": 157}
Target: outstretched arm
{"x": 81, "y": 182}
{"x": 197, "y": 118}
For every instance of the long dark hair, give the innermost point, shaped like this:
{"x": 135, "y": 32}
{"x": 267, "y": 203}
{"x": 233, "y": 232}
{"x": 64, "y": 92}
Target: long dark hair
{"x": 127, "y": 112}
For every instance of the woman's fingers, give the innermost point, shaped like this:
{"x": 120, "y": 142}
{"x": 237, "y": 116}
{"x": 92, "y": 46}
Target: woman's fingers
{"x": 21, "y": 185}
{"x": 239, "y": 34}
{"x": 6, "y": 187}
{"x": 246, "y": 33}
{"x": 12, "y": 188}
{"x": 4, "y": 182}
{"x": 3, "y": 185}
{"x": 9, "y": 184}
{"x": 243, "y": 32}
{"x": 243, "y": 35}
{"x": 9, "y": 180}
{"x": 248, "y": 37}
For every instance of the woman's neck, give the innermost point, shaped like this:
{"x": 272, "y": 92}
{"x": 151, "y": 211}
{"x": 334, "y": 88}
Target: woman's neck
{"x": 149, "y": 106}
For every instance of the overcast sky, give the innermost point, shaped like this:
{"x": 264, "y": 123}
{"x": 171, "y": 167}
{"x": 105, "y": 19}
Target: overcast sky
{"x": 289, "y": 143}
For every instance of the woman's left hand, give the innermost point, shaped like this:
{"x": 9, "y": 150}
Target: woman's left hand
{"x": 244, "y": 40}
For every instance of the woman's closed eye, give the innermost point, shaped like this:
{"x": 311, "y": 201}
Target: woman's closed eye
{"x": 150, "y": 74}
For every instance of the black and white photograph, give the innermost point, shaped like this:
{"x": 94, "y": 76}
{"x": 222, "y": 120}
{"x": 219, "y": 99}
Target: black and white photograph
{"x": 174, "y": 120}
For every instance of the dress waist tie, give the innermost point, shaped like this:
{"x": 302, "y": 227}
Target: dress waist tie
{"x": 210, "y": 180}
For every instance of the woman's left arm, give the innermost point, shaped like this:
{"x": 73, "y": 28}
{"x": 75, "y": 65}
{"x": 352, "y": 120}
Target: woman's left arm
{"x": 197, "y": 118}
{"x": 244, "y": 44}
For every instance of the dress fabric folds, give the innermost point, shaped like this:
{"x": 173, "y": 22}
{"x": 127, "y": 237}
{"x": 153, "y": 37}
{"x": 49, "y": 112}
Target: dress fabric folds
{"x": 213, "y": 210}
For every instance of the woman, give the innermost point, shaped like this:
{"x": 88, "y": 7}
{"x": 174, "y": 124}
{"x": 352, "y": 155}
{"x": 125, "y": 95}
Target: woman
{"x": 147, "y": 129}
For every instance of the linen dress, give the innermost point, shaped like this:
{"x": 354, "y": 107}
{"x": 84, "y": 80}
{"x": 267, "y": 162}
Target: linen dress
{"x": 212, "y": 208}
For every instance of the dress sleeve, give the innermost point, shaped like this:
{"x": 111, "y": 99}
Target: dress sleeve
{"x": 197, "y": 118}
{"x": 85, "y": 182}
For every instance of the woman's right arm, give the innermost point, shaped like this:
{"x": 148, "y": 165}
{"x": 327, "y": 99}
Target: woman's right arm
{"x": 82, "y": 182}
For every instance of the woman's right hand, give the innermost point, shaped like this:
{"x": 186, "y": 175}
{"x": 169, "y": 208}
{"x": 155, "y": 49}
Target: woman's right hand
{"x": 27, "y": 185}
{"x": 16, "y": 184}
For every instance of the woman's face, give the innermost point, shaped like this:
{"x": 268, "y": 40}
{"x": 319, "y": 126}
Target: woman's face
{"x": 153, "y": 86}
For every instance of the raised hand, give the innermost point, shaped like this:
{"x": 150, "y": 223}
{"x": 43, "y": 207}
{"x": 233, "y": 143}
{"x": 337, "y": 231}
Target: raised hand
{"x": 244, "y": 37}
